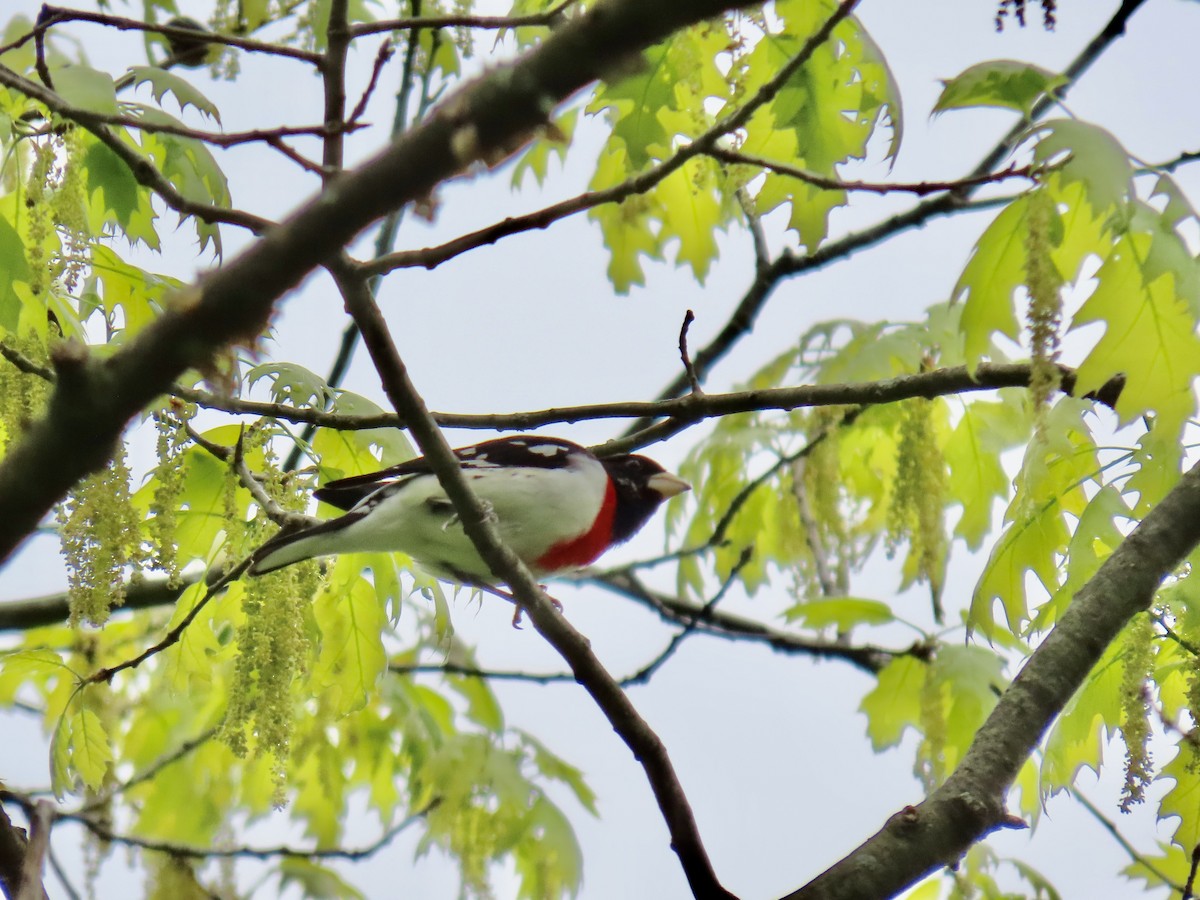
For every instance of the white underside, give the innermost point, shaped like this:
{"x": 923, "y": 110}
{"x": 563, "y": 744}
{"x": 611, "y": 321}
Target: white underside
{"x": 535, "y": 509}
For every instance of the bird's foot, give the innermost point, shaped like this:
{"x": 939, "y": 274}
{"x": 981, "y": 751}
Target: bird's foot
{"x": 519, "y": 609}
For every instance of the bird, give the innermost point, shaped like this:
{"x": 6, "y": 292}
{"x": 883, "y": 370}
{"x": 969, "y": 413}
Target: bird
{"x": 555, "y": 504}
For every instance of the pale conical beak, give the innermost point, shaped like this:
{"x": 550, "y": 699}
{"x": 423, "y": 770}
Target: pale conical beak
{"x": 667, "y": 485}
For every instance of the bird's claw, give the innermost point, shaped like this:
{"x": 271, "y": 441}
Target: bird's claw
{"x": 519, "y": 609}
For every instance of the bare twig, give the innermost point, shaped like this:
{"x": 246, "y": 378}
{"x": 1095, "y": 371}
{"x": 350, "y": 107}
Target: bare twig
{"x": 415, "y": 23}
{"x": 688, "y": 319}
{"x": 385, "y": 52}
{"x": 104, "y": 832}
{"x": 54, "y": 15}
{"x": 1191, "y": 879}
{"x": 919, "y": 188}
{"x": 172, "y": 637}
{"x": 644, "y": 674}
{"x": 61, "y": 874}
{"x": 1111, "y": 827}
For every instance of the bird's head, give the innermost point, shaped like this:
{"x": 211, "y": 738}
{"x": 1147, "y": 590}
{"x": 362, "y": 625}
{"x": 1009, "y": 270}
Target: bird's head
{"x": 641, "y": 485}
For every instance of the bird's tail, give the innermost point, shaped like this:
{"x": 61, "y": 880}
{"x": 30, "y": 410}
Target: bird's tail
{"x": 292, "y": 547}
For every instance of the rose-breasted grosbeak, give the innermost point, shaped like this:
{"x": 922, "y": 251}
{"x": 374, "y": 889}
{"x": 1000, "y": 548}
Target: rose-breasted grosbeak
{"x": 555, "y": 504}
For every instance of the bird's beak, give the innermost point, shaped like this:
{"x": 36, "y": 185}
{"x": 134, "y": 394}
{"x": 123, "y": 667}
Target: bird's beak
{"x": 667, "y": 485}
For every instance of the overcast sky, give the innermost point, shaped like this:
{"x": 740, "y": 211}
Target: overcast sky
{"x": 770, "y": 749}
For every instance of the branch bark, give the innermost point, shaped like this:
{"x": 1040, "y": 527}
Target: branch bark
{"x": 647, "y": 748}
{"x": 971, "y": 802}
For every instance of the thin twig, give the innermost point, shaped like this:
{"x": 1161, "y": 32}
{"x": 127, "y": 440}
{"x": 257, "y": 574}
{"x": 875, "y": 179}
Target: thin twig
{"x": 688, "y": 318}
{"x": 573, "y": 646}
{"x": 172, "y": 637}
{"x": 54, "y": 15}
{"x": 385, "y": 52}
{"x": 1111, "y": 827}
{"x": 61, "y": 874}
{"x": 493, "y": 23}
{"x": 919, "y": 188}
{"x": 104, "y": 832}
{"x": 644, "y": 674}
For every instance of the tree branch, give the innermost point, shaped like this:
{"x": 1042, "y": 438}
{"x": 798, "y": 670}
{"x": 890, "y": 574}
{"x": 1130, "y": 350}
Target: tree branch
{"x": 142, "y": 169}
{"x": 971, "y": 802}
{"x": 920, "y": 188}
{"x": 416, "y": 23}
{"x": 636, "y": 184}
{"x": 573, "y": 646}
{"x": 485, "y": 121}
{"x": 12, "y": 855}
{"x": 55, "y": 15}
{"x": 690, "y": 409}
{"x": 101, "y": 830}
{"x": 789, "y": 265}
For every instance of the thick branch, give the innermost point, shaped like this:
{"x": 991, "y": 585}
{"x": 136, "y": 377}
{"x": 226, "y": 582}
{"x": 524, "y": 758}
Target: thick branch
{"x": 487, "y": 119}
{"x": 971, "y": 802}
{"x": 573, "y": 646}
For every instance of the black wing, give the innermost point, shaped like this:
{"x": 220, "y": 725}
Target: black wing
{"x": 523, "y": 450}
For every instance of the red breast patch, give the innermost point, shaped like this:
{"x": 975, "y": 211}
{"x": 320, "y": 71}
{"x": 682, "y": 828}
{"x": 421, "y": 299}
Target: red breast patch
{"x": 586, "y": 548}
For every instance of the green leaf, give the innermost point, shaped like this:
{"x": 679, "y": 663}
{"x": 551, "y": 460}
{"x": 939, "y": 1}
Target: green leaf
{"x": 1077, "y": 740}
{"x": 996, "y": 267}
{"x": 316, "y": 881}
{"x": 163, "y": 81}
{"x": 112, "y": 188}
{"x": 60, "y": 758}
{"x": 553, "y": 766}
{"x": 482, "y": 707}
{"x": 895, "y": 702}
{"x": 1001, "y": 83}
{"x": 90, "y": 749}
{"x": 977, "y": 479}
{"x": 86, "y": 88}
{"x": 843, "y": 612}
{"x": 351, "y": 619}
{"x": 13, "y": 268}
{"x": 971, "y": 678}
{"x": 690, "y": 213}
{"x": 1088, "y": 154}
{"x": 1149, "y": 336}
{"x": 1050, "y": 486}
{"x": 292, "y": 384}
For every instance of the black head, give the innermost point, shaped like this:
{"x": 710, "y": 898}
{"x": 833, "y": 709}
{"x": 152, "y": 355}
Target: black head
{"x": 641, "y": 485}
